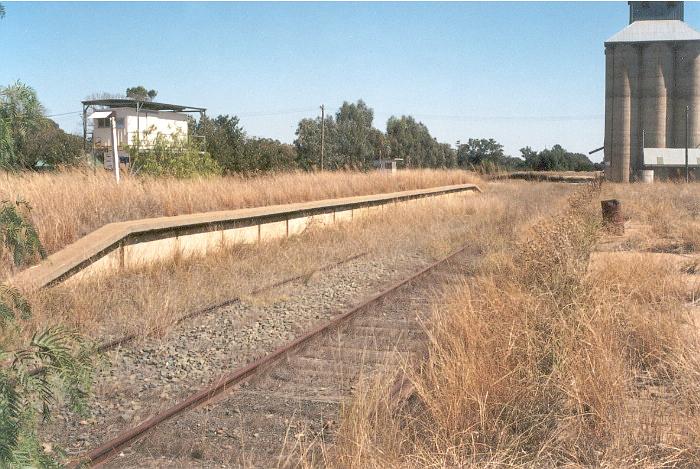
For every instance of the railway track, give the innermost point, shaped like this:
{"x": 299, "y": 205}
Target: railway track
{"x": 269, "y": 412}
{"x": 125, "y": 339}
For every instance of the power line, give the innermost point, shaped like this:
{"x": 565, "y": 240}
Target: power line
{"x": 64, "y": 114}
{"x": 505, "y": 118}
{"x": 274, "y": 113}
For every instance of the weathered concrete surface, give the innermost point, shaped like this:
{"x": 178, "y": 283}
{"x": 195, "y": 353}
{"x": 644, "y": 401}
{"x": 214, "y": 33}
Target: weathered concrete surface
{"x": 273, "y": 230}
{"x": 134, "y": 255}
{"x": 243, "y": 235}
{"x": 343, "y": 215}
{"x": 131, "y": 242}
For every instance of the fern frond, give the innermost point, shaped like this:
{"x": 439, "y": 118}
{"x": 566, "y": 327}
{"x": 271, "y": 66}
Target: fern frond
{"x": 64, "y": 360}
{"x": 11, "y": 303}
{"x": 17, "y": 232}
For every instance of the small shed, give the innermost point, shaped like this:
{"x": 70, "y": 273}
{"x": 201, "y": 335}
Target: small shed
{"x": 387, "y": 165}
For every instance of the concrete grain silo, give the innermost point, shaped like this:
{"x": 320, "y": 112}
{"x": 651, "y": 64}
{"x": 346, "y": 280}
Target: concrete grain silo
{"x": 652, "y": 72}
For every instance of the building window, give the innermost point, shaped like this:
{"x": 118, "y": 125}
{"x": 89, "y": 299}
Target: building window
{"x": 106, "y": 124}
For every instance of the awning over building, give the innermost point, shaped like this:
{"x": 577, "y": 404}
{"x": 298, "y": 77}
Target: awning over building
{"x": 671, "y": 157}
{"x": 147, "y": 105}
{"x": 100, "y": 114}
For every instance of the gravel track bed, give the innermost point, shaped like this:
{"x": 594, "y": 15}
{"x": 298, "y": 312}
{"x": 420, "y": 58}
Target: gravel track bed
{"x": 147, "y": 376}
{"x": 273, "y": 417}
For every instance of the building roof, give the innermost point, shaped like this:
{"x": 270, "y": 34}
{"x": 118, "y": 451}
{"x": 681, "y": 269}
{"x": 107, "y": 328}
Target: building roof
{"x": 656, "y": 30}
{"x": 149, "y": 105}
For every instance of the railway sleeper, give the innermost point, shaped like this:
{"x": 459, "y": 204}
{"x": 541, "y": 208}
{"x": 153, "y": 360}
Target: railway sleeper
{"x": 356, "y": 355}
{"x": 343, "y": 367}
{"x": 373, "y": 343}
{"x": 388, "y": 323}
{"x": 389, "y": 333}
{"x": 242, "y": 425}
{"x": 293, "y": 376}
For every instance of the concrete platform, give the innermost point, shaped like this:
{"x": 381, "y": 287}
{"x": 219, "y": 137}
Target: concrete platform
{"x": 130, "y": 243}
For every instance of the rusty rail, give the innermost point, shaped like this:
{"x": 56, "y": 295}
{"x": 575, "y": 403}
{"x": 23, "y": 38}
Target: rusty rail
{"x": 107, "y": 450}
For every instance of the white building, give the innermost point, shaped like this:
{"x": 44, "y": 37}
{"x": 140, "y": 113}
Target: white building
{"x": 139, "y": 123}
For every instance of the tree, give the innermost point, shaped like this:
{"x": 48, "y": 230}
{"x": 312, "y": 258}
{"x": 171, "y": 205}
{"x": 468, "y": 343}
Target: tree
{"x": 409, "y": 140}
{"x": 266, "y": 154}
{"x": 352, "y": 141}
{"x": 450, "y": 157}
{"x": 140, "y": 93}
{"x": 556, "y": 159}
{"x": 380, "y": 144}
{"x": 308, "y": 144}
{"x": 104, "y": 95}
{"x": 353, "y": 136}
{"x": 20, "y": 115}
{"x": 530, "y": 156}
{"x": 51, "y": 145}
{"x": 224, "y": 138}
{"x": 478, "y": 151}
{"x": 27, "y": 136}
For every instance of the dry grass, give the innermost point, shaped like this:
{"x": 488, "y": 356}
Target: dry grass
{"x": 70, "y": 204}
{"x": 142, "y": 299}
{"x": 540, "y": 362}
{"x": 670, "y": 211}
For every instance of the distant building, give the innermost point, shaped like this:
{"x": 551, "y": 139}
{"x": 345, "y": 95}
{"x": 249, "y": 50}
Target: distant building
{"x": 652, "y": 74}
{"x": 138, "y": 123}
{"x": 389, "y": 165}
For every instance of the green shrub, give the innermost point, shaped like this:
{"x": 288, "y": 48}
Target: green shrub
{"x": 172, "y": 157}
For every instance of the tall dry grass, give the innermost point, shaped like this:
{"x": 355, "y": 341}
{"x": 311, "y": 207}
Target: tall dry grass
{"x": 538, "y": 362}
{"x": 145, "y": 298}
{"x": 669, "y": 211}
{"x": 70, "y": 204}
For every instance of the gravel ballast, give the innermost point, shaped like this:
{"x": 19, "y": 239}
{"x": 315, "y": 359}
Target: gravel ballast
{"x": 141, "y": 378}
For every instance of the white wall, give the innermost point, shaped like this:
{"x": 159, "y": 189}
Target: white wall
{"x": 148, "y": 125}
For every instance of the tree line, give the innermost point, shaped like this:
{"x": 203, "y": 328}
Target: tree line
{"x": 29, "y": 139}
{"x": 352, "y": 142}
{"x": 488, "y": 153}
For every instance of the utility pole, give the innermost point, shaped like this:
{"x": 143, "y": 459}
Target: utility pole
{"x": 323, "y": 131}
{"x": 687, "y": 172}
{"x": 115, "y": 151}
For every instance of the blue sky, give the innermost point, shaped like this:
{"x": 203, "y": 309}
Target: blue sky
{"x": 524, "y": 73}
